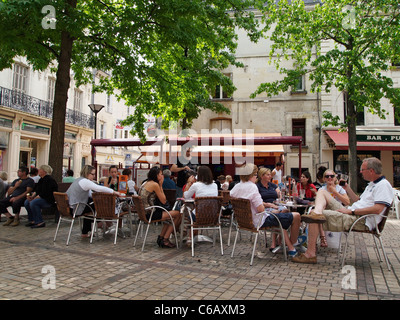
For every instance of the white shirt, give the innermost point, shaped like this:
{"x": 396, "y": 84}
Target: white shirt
{"x": 131, "y": 187}
{"x": 86, "y": 185}
{"x": 378, "y": 191}
{"x": 200, "y": 189}
{"x": 339, "y": 190}
{"x": 278, "y": 175}
{"x": 248, "y": 190}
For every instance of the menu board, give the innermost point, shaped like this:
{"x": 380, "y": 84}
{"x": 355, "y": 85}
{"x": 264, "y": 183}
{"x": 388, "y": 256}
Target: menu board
{"x": 141, "y": 175}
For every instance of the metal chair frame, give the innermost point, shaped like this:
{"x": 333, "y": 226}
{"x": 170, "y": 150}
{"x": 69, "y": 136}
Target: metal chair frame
{"x": 65, "y": 213}
{"x": 206, "y": 220}
{"x": 141, "y": 211}
{"x": 106, "y": 211}
{"x": 230, "y": 219}
{"x": 396, "y": 203}
{"x": 244, "y": 220}
{"x": 376, "y": 233}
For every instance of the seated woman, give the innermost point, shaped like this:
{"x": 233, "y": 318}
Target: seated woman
{"x": 42, "y": 197}
{"x": 247, "y": 189}
{"x": 269, "y": 191}
{"x": 337, "y": 192}
{"x": 152, "y": 190}
{"x": 310, "y": 191}
{"x": 80, "y": 191}
{"x": 113, "y": 179}
{"x": 203, "y": 187}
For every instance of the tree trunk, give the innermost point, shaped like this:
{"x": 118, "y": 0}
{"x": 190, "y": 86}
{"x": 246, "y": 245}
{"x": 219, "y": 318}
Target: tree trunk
{"x": 60, "y": 102}
{"x": 352, "y": 152}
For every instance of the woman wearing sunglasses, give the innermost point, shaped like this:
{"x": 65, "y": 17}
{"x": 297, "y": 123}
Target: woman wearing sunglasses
{"x": 337, "y": 192}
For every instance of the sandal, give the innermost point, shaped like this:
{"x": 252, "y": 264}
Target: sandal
{"x": 323, "y": 242}
{"x": 165, "y": 243}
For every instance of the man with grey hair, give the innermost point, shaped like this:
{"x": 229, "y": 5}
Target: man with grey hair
{"x": 168, "y": 182}
{"x": 377, "y": 196}
{"x": 42, "y": 197}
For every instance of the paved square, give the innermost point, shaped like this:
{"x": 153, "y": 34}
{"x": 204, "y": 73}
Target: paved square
{"x": 35, "y": 267}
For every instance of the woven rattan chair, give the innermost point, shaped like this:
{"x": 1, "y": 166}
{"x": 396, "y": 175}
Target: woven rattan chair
{"x": 106, "y": 210}
{"x": 244, "y": 220}
{"x": 66, "y": 213}
{"x": 170, "y": 194}
{"x": 376, "y": 234}
{"x": 208, "y": 215}
{"x": 141, "y": 211}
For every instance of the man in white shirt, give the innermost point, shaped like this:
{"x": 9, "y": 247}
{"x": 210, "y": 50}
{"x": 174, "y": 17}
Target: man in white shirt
{"x": 377, "y": 196}
{"x": 277, "y": 173}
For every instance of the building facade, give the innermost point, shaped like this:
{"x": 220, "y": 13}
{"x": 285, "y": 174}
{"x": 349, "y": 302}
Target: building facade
{"x": 26, "y": 99}
{"x": 298, "y": 112}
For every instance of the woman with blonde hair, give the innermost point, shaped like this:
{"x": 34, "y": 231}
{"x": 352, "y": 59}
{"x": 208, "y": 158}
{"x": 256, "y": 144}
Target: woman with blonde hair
{"x": 247, "y": 189}
{"x": 337, "y": 192}
{"x": 269, "y": 193}
{"x": 80, "y": 191}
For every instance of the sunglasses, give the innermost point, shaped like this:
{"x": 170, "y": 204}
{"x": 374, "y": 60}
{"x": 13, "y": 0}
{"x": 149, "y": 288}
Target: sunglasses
{"x": 329, "y": 176}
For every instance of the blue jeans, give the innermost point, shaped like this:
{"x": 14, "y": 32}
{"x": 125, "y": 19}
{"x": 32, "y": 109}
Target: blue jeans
{"x": 34, "y": 209}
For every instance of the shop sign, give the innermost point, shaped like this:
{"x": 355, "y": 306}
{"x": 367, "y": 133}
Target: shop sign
{"x": 379, "y": 137}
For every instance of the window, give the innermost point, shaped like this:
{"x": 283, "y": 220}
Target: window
{"x": 396, "y": 116}
{"x": 360, "y": 114}
{"x": 219, "y": 92}
{"x": 299, "y": 129}
{"x": 51, "y": 88}
{"x": 300, "y": 86}
{"x": 78, "y": 100}
{"x": 102, "y": 130}
{"x": 20, "y": 78}
{"x": 108, "y": 104}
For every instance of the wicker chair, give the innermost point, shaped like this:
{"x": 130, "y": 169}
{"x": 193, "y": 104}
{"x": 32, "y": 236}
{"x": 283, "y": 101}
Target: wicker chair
{"x": 66, "y": 214}
{"x": 106, "y": 210}
{"x": 208, "y": 215}
{"x": 376, "y": 233}
{"x": 244, "y": 219}
{"x": 141, "y": 211}
{"x": 170, "y": 194}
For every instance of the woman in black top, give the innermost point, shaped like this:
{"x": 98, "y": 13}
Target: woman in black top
{"x": 113, "y": 179}
{"x": 42, "y": 197}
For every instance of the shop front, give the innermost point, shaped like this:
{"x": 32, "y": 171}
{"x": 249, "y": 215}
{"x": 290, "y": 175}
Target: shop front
{"x": 383, "y": 144}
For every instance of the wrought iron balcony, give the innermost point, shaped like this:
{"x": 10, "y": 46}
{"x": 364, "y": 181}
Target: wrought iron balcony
{"x": 22, "y": 102}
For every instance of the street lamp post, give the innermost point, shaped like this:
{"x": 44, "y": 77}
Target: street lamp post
{"x": 96, "y": 108}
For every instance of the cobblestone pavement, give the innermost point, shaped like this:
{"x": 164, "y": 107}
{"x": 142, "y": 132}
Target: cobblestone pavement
{"x": 104, "y": 271}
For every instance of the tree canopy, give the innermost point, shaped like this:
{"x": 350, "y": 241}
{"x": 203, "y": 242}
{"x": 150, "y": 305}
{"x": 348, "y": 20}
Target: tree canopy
{"x": 163, "y": 56}
{"x": 364, "y": 38}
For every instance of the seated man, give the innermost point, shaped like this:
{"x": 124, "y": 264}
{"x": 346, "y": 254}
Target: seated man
{"x": 377, "y": 196}
{"x": 17, "y": 192}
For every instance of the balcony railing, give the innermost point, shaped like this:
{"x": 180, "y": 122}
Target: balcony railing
{"x": 22, "y": 102}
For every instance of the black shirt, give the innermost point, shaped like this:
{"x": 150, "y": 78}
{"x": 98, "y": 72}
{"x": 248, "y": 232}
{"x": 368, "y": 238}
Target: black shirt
{"x": 182, "y": 175}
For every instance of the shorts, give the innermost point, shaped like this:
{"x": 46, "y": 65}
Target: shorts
{"x": 337, "y": 221}
{"x": 157, "y": 214}
{"x": 286, "y": 219}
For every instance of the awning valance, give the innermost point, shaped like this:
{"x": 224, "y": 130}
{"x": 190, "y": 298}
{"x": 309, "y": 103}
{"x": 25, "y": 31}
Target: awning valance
{"x": 341, "y": 140}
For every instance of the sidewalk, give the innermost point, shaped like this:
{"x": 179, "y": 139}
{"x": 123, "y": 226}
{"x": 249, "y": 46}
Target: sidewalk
{"x": 104, "y": 271}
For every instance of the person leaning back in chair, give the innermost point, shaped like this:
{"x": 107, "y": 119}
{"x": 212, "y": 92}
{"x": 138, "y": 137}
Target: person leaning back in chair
{"x": 377, "y": 196}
